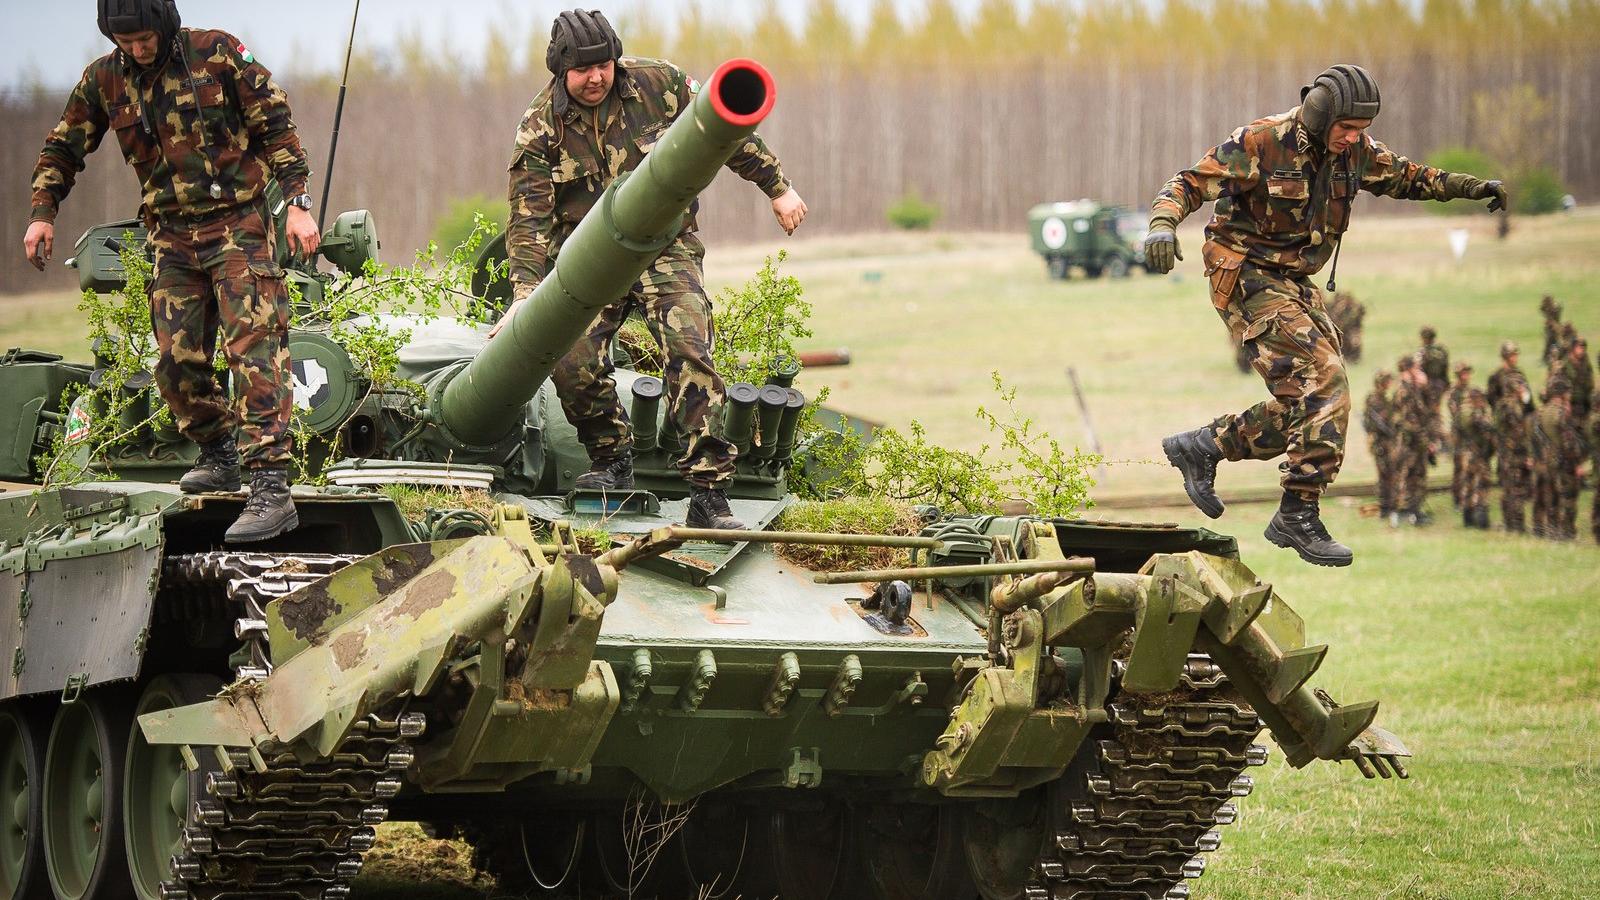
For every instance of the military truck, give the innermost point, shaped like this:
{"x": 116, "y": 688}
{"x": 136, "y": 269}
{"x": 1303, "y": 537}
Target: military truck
{"x": 1020, "y": 707}
{"x": 1096, "y": 237}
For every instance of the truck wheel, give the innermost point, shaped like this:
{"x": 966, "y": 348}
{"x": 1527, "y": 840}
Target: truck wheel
{"x": 1116, "y": 266}
{"x": 1091, "y": 269}
{"x": 1057, "y": 265}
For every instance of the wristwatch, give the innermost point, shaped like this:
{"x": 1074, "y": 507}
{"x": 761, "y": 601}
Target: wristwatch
{"x": 301, "y": 200}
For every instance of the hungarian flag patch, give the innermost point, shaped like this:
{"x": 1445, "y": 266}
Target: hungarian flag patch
{"x": 244, "y": 53}
{"x": 77, "y": 424}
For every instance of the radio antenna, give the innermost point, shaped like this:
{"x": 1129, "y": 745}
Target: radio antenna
{"x": 338, "y": 113}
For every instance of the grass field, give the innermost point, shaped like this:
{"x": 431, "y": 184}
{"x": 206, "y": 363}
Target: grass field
{"x": 1483, "y": 648}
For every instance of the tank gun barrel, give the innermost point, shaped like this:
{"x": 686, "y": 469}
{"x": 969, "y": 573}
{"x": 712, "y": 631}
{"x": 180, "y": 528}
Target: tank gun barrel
{"x": 637, "y": 216}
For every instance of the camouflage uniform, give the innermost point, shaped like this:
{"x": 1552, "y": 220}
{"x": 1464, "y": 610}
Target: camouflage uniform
{"x": 1282, "y": 205}
{"x": 1593, "y": 436}
{"x": 559, "y": 167}
{"x": 1557, "y": 453}
{"x": 1552, "y": 326}
{"x": 1435, "y": 362}
{"x": 1414, "y": 438}
{"x": 1579, "y": 374}
{"x": 1377, "y": 419}
{"x": 204, "y": 170}
{"x": 1455, "y": 402}
{"x": 1475, "y": 444}
{"x": 1511, "y": 400}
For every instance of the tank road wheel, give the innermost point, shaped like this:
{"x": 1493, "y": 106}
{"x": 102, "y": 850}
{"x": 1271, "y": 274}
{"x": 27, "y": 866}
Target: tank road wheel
{"x": 620, "y": 865}
{"x": 1116, "y": 266}
{"x": 1058, "y": 268}
{"x": 1003, "y": 838}
{"x": 799, "y": 854}
{"x": 913, "y": 851}
{"x": 716, "y": 850}
{"x": 24, "y": 731}
{"x": 83, "y": 846}
{"x": 1139, "y": 803}
{"x": 158, "y": 787}
{"x": 535, "y": 857}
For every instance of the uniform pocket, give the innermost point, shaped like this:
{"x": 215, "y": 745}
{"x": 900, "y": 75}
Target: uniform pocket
{"x": 576, "y": 180}
{"x": 1222, "y": 268}
{"x": 138, "y": 148}
{"x": 646, "y": 140}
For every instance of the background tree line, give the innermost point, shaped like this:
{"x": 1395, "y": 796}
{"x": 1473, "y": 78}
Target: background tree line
{"x": 982, "y": 114}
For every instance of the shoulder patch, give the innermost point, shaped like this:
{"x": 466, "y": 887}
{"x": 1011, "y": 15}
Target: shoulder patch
{"x": 244, "y": 53}
{"x": 694, "y": 86}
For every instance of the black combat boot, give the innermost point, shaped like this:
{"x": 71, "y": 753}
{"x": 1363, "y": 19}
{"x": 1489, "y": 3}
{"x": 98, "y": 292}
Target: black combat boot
{"x": 268, "y": 512}
{"x": 1480, "y": 517}
{"x": 1420, "y": 517}
{"x": 1298, "y": 525}
{"x": 607, "y": 475}
{"x": 1196, "y": 455}
{"x": 216, "y": 471}
{"x": 708, "y": 508}
{"x": 1468, "y": 518}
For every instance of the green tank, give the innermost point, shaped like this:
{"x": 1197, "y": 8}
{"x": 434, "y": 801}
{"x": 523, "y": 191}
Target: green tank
{"x": 1027, "y": 708}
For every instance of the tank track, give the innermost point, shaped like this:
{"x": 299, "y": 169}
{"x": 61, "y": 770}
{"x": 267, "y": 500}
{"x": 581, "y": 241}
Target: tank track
{"x": 277, "y": 827}
{"x": 1134, "y": 823}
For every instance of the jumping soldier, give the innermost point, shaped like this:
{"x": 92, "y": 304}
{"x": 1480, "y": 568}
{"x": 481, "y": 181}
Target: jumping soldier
{"x": 1557, "y": 453}
{"x": 1284, "y": 186}
{"x": 1552, "y": 326}
{"x": 1511, "y": 400}
{"x": 1475, "y": 425}
{"x": 1417, "y": 443}
{"x": 1453, "y": 406}
{"x": 205, "y": 128}
{"x": 1377, "y": 419}
{"x": 595, "y": 121}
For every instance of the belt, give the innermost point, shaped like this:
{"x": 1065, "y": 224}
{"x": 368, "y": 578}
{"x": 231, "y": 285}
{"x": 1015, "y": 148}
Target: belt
{"x": 187, "y": 220}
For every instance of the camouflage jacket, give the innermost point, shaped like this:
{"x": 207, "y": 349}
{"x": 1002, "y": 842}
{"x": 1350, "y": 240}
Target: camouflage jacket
{"x": 1435, "y": 361}
{"x": 561, "y": 164}
{"x": 1377, "y": 416}
{"x": 1558, "y": 445}
{"x": 1282, "y": 202}
{"x": 1511, "y": 400}
{"x": 1455, "y": 403}
{"x": 1580, "y": 375}
{"x": 1413, "y": 423}
{"x": 242, "y": 135}
{"x": 1552, "y": 338}
{"x": 1475, "y": 427}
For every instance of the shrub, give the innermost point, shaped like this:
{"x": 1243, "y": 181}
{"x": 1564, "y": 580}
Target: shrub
{"x": 912, "y": 213}
{"x": 454, "y": 227}
{"x": 1462, "y": 159}
{"x": 1536, "y": 192}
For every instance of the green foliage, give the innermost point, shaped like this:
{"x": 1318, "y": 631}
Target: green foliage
{"x": 1461, "y": 159}
{"x": 369, "y": 313}
{"x": 912, "y": 213}
{"x": 1537, "y": 191}
{"x": 460, "y": 221}
{"x": 1052, "y": 481}
{"x": 758, "y": 323}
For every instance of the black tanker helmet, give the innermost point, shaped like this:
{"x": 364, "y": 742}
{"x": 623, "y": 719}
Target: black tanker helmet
{"x": 133, "y": 16}
{"x": 1342, "y": 92}
{"x": 578, "y": 38}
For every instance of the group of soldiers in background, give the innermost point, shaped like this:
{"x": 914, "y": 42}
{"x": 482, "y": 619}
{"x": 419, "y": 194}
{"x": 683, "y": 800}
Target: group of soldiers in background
{"x": 1539, "y": 449}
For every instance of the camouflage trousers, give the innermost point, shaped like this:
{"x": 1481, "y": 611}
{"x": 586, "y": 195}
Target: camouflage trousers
{"x": 1458, "y": 472}
{"x": 671, "y": 299}
{"x": 1516, "y": 486}
{"x": 222, "y": 273}
{"x": 1279, "y": 321}
{"x": 1555, "y": 503}
{"x": 1411, "y": 476}
{"x": 1383, "y": 458}
{"x": 1474, "y": 489}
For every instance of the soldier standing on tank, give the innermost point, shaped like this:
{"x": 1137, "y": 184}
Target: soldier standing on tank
{"x": 1557, "y": 453}
{"x": 1511, "y": 400}
{"x": 1552, "y": 326}
{"x": 1284, "y": 186}
{"x": 1417, "y": 443}
{"x": 1475, "y": 427}
{"x": 1453, "y": 405}
{"x": 205, "y": 128}
{"x": 1377, "y": 419}
{"x": 597, "y": 118}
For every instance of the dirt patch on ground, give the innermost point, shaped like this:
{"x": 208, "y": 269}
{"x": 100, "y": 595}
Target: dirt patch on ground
{"x": 405, "y": 854}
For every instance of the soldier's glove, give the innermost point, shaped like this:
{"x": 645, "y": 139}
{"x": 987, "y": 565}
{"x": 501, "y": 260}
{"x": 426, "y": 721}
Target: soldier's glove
{"x": 1161, "y": 247}
{"x": 1469, "y": 188}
